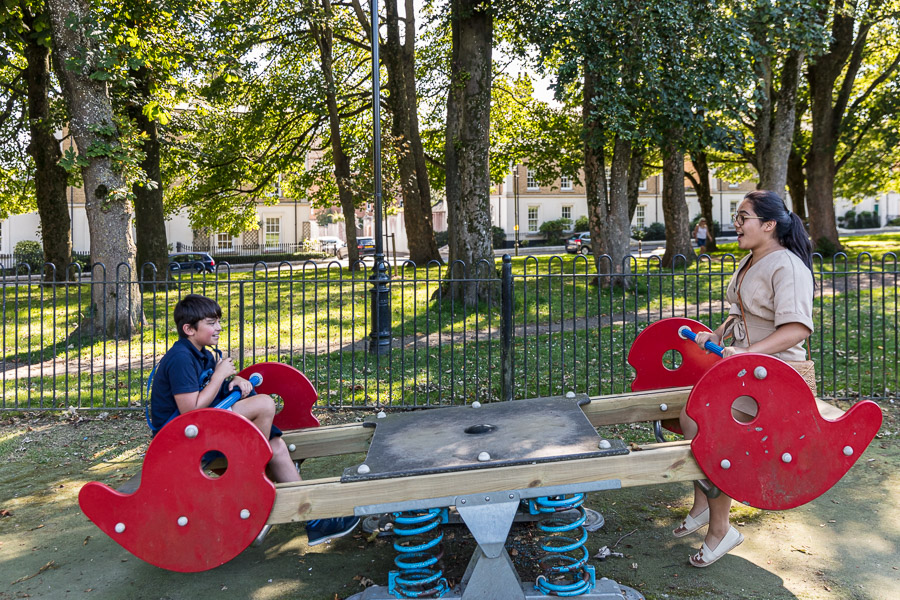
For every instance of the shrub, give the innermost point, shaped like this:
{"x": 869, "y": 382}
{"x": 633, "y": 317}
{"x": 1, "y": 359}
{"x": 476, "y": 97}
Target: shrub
{"x": 656, "y": 231}
{"x": 441, "y": 238}
{"x": 29, "y": 252}
{"x": 554, "y": 230}
{"x": 499, "y": 237}
{"x": 826, "y": 247}
{"x": 582, "y": 224}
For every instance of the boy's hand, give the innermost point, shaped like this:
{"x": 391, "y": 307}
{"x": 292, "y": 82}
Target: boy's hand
{"x": 245, "y": 386}
{"x": 225, "y": 368}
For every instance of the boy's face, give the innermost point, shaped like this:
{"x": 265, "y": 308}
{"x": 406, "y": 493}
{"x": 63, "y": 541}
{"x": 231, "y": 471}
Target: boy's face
{"x": 206, "y": 332}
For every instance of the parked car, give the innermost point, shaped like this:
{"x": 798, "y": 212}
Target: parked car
{"x": 580, "y": 243}
{"x": 365, "y": 245}
{"x": 330, "y": 244}
{"x": 198, "y": 262}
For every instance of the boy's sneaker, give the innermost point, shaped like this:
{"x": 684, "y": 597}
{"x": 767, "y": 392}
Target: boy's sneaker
{"x": 324, "y": 530}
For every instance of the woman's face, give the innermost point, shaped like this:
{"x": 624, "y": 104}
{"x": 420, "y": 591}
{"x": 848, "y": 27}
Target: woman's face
{"x": 752, "y": 232}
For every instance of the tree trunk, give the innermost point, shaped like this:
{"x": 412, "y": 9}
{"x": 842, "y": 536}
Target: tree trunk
{"x": 466, "y": 149}
{"x": 49, "y": 178}
{"x": 149, "y": 215}
{"x": 704, "y": 195}
{"x": 324, "y": 39}
{"x": 607, "y": 207}
{"x": 796, "y": 183}
{"x": 116, "y": 300}
{"x": 399, "y": 60}
{"x": 675, "y": 210}
{"x": 775, "y": 132}
{"x": 635, "y": 176}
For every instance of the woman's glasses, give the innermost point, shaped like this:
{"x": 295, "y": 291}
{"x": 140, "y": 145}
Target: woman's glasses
{"x": 739, "y": 219}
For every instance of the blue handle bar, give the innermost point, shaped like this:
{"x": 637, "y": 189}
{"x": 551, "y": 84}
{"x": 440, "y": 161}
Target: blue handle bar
{"x": 235, "y": 395}
{"x": 714, "y": 348}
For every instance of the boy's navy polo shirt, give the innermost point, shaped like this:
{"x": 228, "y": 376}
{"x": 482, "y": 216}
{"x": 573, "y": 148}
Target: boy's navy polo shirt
{"x": 179, "y": 372}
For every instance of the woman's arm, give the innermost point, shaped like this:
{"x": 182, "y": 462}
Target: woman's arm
{"x": 786, "y": 336}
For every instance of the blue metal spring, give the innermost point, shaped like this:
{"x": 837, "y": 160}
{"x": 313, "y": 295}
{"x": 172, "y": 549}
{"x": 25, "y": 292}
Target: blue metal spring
{"x": 419, "y": 551}
{"x": 565, "y": 568}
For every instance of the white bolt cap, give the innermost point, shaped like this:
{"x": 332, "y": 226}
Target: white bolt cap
{"x": 191, "y": 431}
{"x": 120, "y": 527}
{"x": 760, "y": 372}
{"x": 848, "y": 451}
{"x": 476, "y": 404}
{"x": 604, "y": 444}
{"x": 681, "y": 331}
{"x": 363, "y": 469}
{"x": 381, "y": 414}
{"x": 245, "y": 514}
{"x": 786, "y": 457}
{"x": 570, "y": 394}
{"x": 726, "y": 464}
{"x": 484, "y": 457}
{"x": 292, "y": 448}
{"x": 664, "y": 407}
{"x": 182, "y": 521}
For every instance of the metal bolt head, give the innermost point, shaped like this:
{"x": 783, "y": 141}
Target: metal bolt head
{"x": 245, "y": 514}
{"x": 381, "y": 414}
{"x": 191, "y": 431}
{"x": 476, "y": 404}
{"x": 848, "y": 451}
{"x": 512, "y": 496}
{"x": 363, "y": 469}
{"x": 182, "y": 521}
{"x": 664, "y": 407}
{"x": 487, "y": 498}
{"x": 760, "y": 372}
{"x": 463, "y": 501}
{"x": 120, "y": 527}
{"x": 292, "y": 448}
{"x": 483, "y": 457}
{"x": 604, "y": 445}
{"x": 786, "y": 457}
{"x": 570, "y": 394}
{"x": 726, "y": 464}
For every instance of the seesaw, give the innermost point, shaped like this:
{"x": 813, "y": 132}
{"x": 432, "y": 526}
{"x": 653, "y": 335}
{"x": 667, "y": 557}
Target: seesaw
{"x": 487, "y": 462}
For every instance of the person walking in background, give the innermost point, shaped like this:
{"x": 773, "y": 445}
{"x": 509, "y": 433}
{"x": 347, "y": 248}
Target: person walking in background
{"x": 701, "y": 233}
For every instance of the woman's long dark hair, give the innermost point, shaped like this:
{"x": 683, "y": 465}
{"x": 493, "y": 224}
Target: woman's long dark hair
{"x": 788, "y": 227}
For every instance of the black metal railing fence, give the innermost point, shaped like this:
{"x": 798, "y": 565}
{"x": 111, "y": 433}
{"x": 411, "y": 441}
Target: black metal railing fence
{"x": 542, "y": 326}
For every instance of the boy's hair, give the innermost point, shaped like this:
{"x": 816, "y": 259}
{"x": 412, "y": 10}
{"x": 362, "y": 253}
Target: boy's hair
{"x": 192, "y": 309}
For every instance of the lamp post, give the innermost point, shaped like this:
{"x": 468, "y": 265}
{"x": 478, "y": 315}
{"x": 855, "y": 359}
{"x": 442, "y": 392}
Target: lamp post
{"x": 380, "y": 338}
{"x": 516, "y": 203}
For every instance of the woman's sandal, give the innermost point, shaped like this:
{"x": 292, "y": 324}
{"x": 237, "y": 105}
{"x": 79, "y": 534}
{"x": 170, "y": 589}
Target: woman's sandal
{"x": 692, "y": 524}
{"x": 706, "y": 557}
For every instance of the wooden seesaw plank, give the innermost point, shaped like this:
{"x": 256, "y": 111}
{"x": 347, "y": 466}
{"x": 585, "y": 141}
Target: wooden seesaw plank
{"x": 603, "y": 410}
{"x": 323, "y": 498}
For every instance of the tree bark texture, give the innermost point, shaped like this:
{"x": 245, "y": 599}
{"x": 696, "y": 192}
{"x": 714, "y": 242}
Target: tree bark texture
{"x": 704, "y": 195}
{"x": 325, "y": 41}
{"x": 635, "y": 177}
{"x": 466, "y": 149}
{"x": 796, "y": 183}
{"x": 149, "y": 214}
{"x": 115, "y": 297}
{"x": 399, "y": 59}
{"x": 607, "y": 207}
{"x": 50, "y": 178}
{"x": 774, "y": 131}
{"x": 675, "y": 210}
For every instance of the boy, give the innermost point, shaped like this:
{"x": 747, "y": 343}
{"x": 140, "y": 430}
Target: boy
{"x": 189, "y": 377}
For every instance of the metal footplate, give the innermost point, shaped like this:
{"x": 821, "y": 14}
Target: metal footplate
{"x": 490, "y": 574}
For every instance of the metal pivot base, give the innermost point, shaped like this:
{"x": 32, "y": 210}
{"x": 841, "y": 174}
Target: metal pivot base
{"x": 490, "y": 574}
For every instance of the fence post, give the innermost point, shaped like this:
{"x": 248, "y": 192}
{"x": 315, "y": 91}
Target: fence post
{"x": 506, "y": 375}
{"x": 241, "y": 325}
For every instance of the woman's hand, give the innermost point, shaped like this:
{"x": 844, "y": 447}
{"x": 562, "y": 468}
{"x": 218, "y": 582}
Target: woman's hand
{"x": 704, "y": 337}
{"x": 732, "y": 350}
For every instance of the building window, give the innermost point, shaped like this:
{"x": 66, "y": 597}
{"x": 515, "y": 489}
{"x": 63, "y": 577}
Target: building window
{"x": 273, "y": 231}
{"x": 276, "y": 193}
{"x": 532, "y": 219}
{"x": 639, "y": 215}
{"x": 643, "y": 186}
{"x": 224, "y": 242}
{"x": 566, "y": 213}
{"x": 530, "y": 181}
{"x": 565, "y": 183}
{"x": 733, "y": 186}
{"x": 732, "y": 210}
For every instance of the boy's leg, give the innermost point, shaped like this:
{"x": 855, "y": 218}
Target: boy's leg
{"x": 281, "y": 467}
{"x": 260, "y": 409}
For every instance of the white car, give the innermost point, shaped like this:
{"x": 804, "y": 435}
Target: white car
{"x": 330, "y": 244}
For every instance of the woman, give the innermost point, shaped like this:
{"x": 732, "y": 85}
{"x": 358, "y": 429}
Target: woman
{"x": 771, "y": 296}
{"x": 700, "y": 234}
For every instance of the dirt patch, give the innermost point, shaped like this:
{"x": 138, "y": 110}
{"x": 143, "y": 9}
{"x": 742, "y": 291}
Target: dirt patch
{"x": 844, "y": 545}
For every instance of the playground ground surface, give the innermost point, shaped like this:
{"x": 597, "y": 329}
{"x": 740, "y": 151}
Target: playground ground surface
{"x": 844, "y": 545}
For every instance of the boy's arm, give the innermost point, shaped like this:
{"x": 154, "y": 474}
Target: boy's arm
{"x": 201, "y": 399}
